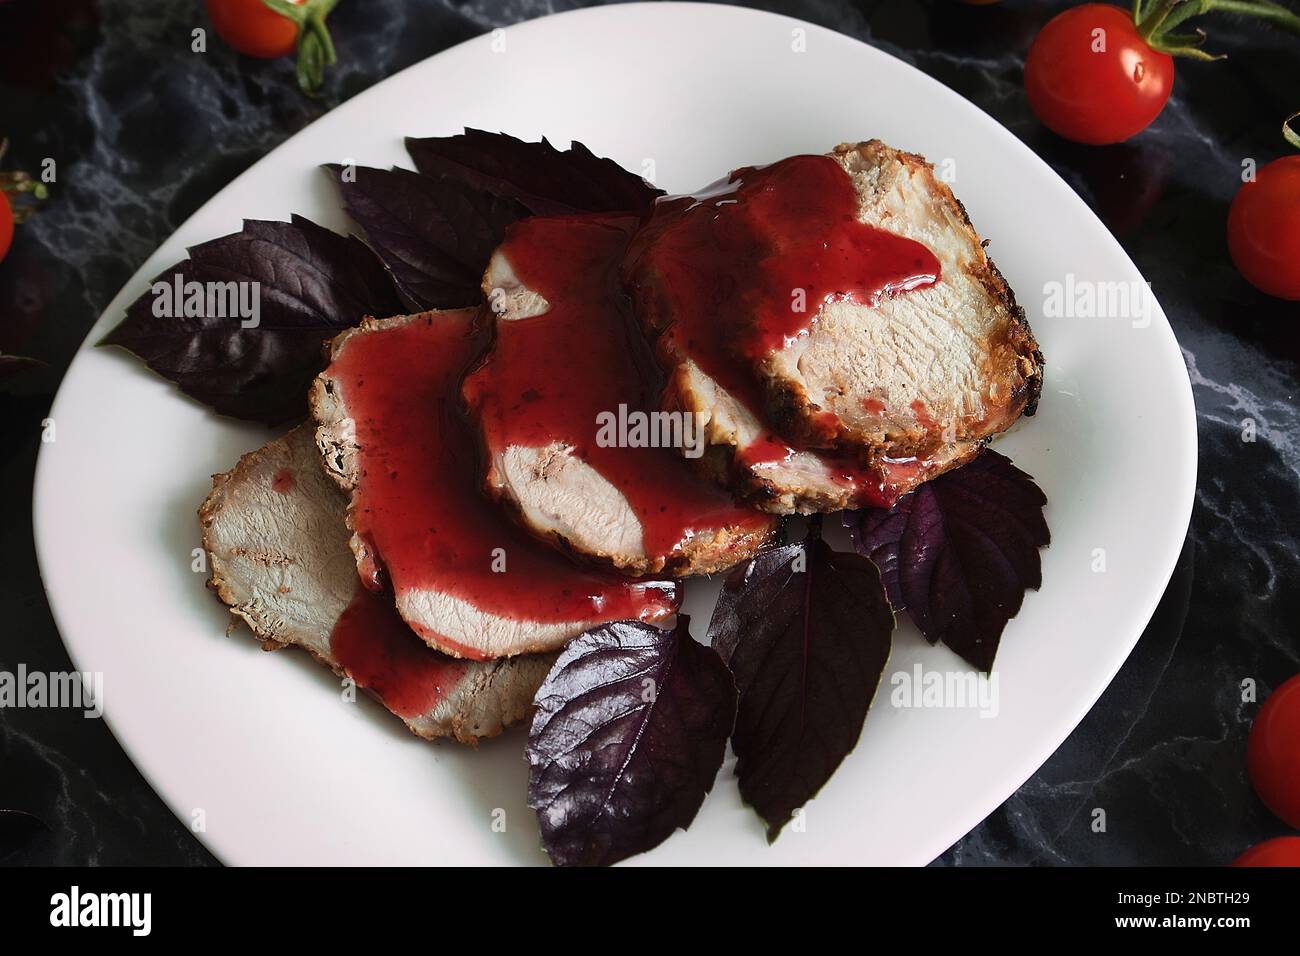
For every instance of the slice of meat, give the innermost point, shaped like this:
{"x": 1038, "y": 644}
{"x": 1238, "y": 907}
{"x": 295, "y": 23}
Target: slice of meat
{"x": 567, "y": 403}
{"x": 953, "y": 361}
{"x": 844, "y": 300}
{"x": 761, "y": 468}
{"x": 464, "y": 576}
{"x": 274, "y": 530}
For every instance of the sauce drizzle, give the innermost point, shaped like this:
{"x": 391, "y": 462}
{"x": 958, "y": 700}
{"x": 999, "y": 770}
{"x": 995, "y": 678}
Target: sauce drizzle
{"x": 418, "y": 504}
{"x": 553, "y": 377}
{"x": 378, "y": 651}
{"x": 744, "y": 269}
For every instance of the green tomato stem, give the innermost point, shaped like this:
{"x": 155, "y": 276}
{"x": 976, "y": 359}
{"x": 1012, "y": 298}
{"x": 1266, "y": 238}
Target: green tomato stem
{"x": 315, "y": 46}
{"x": 20, "y": 186}
{"x": 1156, "y": 25}
{"x": 316, "y": 23}
{"x": 1289, "y": 131}
{"x": 1260, "y": 9}
{"x": 1149, "y": 27}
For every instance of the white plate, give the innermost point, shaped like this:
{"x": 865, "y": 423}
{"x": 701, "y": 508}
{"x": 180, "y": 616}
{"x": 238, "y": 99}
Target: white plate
{"x": 280, "y": 770}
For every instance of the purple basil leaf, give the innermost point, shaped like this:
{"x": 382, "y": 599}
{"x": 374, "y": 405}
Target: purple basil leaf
{"x": 880, "y": 524}
{"x": 313, "y": 283}
{"x": 960, "y": 552}
{"x": 806, "y": 631}
{"x": 629, "y": 733}
{"x": 547, "y": 181}
{"x": 435, "y": 235}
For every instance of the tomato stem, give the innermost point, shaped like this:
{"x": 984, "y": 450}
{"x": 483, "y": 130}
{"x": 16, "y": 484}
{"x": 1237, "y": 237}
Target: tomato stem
{"x": 1156, "y": 24}
{"x": 20, "y": 185}
{"x": 1289, "y": 131}
{"x": 1149, "y": 27}
{"x": 315, "y": 46}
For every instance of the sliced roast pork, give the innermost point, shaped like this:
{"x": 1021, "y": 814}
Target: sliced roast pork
{"x": 464, "y": 576}
{"x": 274, "y": 530}
{"x": 845, "y": 303}
{"x": 567, "y": 401}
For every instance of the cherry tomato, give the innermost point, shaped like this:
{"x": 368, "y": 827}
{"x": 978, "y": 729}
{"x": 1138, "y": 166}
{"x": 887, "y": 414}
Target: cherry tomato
{"x": 1264, "y": 237}
{"x": 253, "y": 28}
{"x": 1279, "y": 851}
{"x": 1273, "y": 752}
{"x": 1091, "y": 78}
{"x": 6, "y": 225}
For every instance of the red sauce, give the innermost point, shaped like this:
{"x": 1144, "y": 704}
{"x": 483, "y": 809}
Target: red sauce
{"x": 873, "y": 405}
{"x": 554, "y": 377}
{"x": 378, "y": 651}
{"x": 283, "y": 482}
{"x": 737, "y": 263}
{"x": 923, "y": 416}
{"x": 729, "y": 272}
{"x": 418, "y": 503}
{"x": 873, "y": 484}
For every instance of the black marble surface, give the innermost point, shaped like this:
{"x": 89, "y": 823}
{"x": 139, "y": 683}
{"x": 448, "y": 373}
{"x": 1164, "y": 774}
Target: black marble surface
{"x": 143, "y": 132}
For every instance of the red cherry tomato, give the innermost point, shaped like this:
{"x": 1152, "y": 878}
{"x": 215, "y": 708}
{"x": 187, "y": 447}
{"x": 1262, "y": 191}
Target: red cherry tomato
{"x": 6, "y": 225}
{"x": 1280, "y": 851}
{"x": 253, "y": 28}
{"x": 1264, "y": 234}
{"x": 1273, "y": 752}
{"x": 1091, "y": 78}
